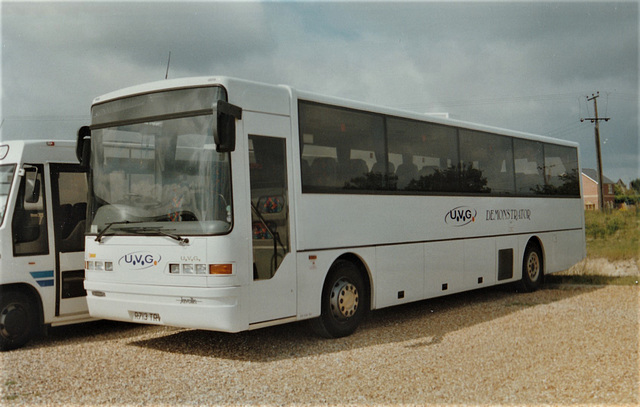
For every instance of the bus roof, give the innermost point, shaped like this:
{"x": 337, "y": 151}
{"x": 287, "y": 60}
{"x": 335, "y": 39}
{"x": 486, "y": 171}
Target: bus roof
{"x": 38, "y": 151}
{"x": 275, "y": 99}
{"x": 249, "y": 95}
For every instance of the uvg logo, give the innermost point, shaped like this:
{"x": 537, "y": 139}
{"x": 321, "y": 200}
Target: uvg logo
{"x": 460, "y": 216}
{"x": 139, "y": 260}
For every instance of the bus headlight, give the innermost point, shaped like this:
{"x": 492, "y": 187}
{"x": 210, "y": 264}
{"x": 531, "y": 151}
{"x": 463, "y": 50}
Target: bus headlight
{"x": 200, "y": 269}
{"x": 97, "y": 265}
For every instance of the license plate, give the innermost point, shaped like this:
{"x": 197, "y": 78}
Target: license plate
{"x": 148, "y": 317}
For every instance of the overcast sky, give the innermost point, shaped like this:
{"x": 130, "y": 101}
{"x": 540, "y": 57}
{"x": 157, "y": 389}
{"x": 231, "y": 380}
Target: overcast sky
{"x": 519, "y": 65}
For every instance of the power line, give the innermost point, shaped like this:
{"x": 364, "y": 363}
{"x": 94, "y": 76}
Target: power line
{"x": 571, "y": 128}
{"x": 623, "y": 96}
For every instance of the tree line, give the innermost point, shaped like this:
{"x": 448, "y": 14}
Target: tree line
{"x": 629, "y": 195}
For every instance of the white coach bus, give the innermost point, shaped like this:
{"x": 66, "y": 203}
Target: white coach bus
{"x": 43, "y": 195}
{"x": 228, "y": 205}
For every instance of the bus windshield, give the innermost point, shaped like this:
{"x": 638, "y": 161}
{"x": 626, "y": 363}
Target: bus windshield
{"x": 160, "y": 176}
{"x": 6, "y": 179}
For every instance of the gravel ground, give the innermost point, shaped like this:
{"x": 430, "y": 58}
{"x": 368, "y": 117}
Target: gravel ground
{"x": 560, "y": 345}
{"x": 604, "y": 267}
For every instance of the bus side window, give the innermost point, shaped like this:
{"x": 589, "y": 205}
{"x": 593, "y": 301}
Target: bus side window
{"x": 487, "y": 163}
{"x": 424, "y": 153}
{"x": 561, "y": 171}
{"x": 29, "y": 223}
{"x": 342, "y": 149}
{"x": 529, "y": 166}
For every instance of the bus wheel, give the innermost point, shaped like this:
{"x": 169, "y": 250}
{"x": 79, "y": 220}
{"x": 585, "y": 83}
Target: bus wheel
{"x": 17, "y": 319}
{"x": 344, "y": 301}
{"x": 532, "y": 268}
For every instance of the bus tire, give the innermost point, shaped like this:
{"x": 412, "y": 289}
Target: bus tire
{"x": 344, "y": 301}
{"x": 532, "y": 268}
{"x": 17, "y": 320}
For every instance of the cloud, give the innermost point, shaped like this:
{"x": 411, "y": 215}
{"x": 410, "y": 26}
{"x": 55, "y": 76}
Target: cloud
{"x": 113, "y": 39}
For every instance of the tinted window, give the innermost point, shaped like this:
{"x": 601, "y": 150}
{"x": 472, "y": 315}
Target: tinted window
{"x": 149, "y": 105}
{"x": 529, "y": 165}
{"x": 345, "y": 150}
{"x": 560, "y": 171}
{"x": 486, "y": 163}
{"x": 342, "y": 149}
{"x": 424, "y": 154}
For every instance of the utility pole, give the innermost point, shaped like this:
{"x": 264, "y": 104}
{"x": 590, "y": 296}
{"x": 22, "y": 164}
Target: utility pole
{"x": 596, "y": 120}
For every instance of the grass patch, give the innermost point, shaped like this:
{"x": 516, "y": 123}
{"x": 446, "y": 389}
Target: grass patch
{"x": 613, "y": 235}
{"x": 613, "y": 255}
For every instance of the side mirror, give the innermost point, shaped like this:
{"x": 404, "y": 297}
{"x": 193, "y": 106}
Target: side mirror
{"x": 31, "y": 185}
{"x": 83, "y": 146}
{"x": 224, "y": 131}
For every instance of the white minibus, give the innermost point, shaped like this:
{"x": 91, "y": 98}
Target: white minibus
{"x": 43, "y": 195}
{"x": 223, "y": 204}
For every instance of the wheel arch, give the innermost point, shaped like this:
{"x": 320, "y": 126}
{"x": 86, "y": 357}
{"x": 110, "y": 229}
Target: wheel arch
{"x": 31, "y": 293}
{"x": 347, "y": 278}
{"x": 535, "y": 240}
{"x": 365, "y": 272}
{"x": 533, "y": 270}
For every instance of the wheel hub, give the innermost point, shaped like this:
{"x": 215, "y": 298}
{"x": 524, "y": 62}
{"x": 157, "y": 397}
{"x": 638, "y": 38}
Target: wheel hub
{"x": 344, "y": 299}
{"x": 533, "y": 266}
{"x": 13, "y": 321}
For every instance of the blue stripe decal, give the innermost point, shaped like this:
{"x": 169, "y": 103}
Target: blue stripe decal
{"x": 45, "y": 283}
{"x": 42, "y": 274}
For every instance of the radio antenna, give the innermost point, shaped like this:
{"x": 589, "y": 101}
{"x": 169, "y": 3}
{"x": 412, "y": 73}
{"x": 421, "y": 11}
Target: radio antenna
{"x": 166, "y": 75}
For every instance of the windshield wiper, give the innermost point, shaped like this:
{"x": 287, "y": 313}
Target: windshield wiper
{"x": 182, "y": 240}
{"x": 122, "y": 222}
{"x": 158, "y": 230}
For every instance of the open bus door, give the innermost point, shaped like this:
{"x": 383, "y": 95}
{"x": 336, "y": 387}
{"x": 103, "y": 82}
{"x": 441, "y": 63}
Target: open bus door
{"x": 69, "y": 203}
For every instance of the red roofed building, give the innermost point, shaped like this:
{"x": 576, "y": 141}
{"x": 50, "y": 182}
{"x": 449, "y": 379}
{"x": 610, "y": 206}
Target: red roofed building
{"x": 591, "y": 190}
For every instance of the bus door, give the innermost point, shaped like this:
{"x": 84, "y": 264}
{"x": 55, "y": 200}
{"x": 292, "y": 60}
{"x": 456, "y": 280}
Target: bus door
{"x": 273, "y": 289}
{"x": 69, "y": 203}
